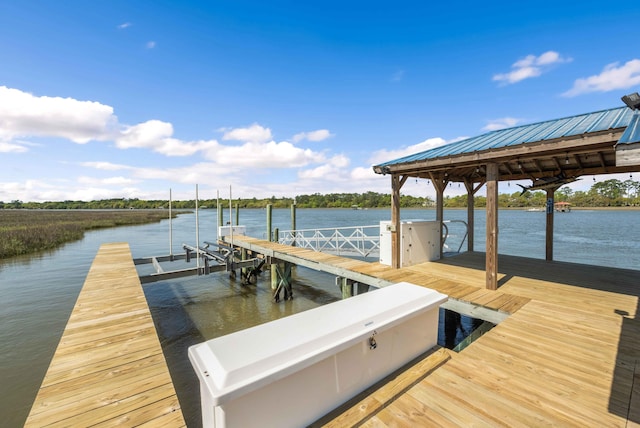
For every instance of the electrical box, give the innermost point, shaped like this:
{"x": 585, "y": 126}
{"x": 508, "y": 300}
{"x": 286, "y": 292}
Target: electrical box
{"x": 419, "y": 241}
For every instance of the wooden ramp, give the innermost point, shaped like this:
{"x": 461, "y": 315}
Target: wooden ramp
{"x": 108, "y": 369}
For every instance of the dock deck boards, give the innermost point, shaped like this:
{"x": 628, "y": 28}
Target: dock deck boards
{"x": 567, "y": 355}
{"x": 108, "y": 369}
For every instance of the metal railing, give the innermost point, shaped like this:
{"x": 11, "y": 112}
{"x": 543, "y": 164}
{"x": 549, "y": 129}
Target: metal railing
{"x": 364, "y": 240}
{"x": 355, "y": 240}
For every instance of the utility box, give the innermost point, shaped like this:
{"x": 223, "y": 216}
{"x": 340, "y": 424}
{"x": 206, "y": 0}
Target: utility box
{"x": 226, "y": 230}
{"x": 294, "y": 370}
{"x": 419, "y": 241}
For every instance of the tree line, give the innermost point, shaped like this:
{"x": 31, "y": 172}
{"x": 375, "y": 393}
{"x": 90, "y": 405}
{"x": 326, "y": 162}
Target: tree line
{"x": 607, "y": 193}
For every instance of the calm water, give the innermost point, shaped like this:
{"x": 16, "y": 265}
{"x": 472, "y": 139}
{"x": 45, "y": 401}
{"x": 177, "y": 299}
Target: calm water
{"x": 39, "y": 292}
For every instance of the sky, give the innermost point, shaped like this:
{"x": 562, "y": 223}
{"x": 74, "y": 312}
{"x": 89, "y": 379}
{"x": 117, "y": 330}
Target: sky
{"x": 129, "y": 99}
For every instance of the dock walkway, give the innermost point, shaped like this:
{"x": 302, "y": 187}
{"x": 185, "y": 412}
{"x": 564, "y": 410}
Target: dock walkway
{"x": 567, "y": 355}
{"x": 108, "y": 369}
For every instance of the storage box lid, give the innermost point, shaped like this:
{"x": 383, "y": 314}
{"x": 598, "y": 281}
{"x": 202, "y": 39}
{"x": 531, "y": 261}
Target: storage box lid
{"x": 238, "y": 363}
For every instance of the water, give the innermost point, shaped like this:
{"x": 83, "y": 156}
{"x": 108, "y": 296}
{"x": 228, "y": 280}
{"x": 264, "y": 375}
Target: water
{"x": 39, "y": 292}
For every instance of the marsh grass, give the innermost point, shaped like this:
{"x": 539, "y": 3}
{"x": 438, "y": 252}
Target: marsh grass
{"x": 29, "y": 231}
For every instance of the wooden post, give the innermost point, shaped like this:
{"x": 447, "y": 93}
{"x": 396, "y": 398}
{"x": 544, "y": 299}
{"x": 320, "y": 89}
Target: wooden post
{"x": 492, "y": 227}
{"x": 281, "y": 280}
{"x": 237, "y": 214}
{"x": 440, "y": 183}
{"x": 220, "y": 214}
{"x": 346, "y": 287}
{"x": 471, "y": 191}
{"x": 550, "y": 216}
{"x": 395, "y": 221}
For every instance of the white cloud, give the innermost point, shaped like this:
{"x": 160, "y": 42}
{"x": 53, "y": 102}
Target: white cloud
{"x": 157, "y": 136}
{"x": 530, "y": 66}
{"x": 613, "y": 76}
{"x": 23, "y": 114}
{"x": 110, "y": 181}
{"x": 504, "y": 122}
{"x": 334, "y": 169}
{"x": 263, "y": 155}
{"x": 381, "y": 156}
{"x": 254, "y": 134}
{"x": 107, "y": 166}
{"x": 124, "y": 25}
{"x": 9, "y": 147}
{"x": 150, "y": 44}
{"x": 397, "y": 76}
{"x": 317, "y": 135}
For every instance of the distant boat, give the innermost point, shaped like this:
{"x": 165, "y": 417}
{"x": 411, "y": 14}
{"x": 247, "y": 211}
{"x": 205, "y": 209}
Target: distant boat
{"x": 562, "y": 207}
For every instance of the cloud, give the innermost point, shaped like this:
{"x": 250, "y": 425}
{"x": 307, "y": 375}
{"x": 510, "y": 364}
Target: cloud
{"x": 150, "y": 44}
{"x": 254, "y": 134}
{"x": 263, "y": 155}
{"x": 397, "y": 76}
{"x": 613, "y": 76}
{"x": 530, "y": 66}
{"x": 23, "y": 114}
{"x": 505, "y": 122}
{"x": 110, "y": 181}
{"x": 8, "y": 147}
{"x": 384, "y": 155}
{"x": 157, "y": 136}
{"x": 334, "y": 169}
{"x": 124, "y": 25}
{"x": 317, "y": 135}
{"x": 106, "y": 166}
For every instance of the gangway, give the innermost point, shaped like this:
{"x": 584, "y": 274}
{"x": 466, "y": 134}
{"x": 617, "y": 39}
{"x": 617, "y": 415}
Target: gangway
{"x": 364, "y": 241}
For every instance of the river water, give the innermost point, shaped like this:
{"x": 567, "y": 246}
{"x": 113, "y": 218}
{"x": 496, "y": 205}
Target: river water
{"x": 39, "y": 292}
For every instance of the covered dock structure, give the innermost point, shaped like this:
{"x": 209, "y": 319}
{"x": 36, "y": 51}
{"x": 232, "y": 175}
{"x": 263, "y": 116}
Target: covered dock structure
{"x": 550, "y": 153}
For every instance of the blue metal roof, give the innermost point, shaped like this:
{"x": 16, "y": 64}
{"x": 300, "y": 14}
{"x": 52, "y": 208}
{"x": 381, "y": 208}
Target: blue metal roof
{"x": 604, "y": 120}
{"x": 632, "y": 133}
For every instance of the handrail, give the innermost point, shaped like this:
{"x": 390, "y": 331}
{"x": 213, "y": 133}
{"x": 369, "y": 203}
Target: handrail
{"x": 339, "y": 240}
{"x": 446, "y": 235}
{"x": 354, "y": 240}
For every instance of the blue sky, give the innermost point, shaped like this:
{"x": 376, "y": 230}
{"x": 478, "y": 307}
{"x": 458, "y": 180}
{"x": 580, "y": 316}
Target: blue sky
{"x": 127, "y": 99}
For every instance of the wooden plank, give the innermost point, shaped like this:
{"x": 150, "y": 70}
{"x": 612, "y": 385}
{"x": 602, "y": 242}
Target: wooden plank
{"x": 109, "y": 367}
{"x": 380, "y": 395}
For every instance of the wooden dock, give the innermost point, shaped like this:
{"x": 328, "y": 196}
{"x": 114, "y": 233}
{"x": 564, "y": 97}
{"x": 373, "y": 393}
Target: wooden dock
{"x": 567, "y": 355}
{"x": 108, "y": 369}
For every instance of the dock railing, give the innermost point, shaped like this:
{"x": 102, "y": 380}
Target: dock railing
{"x": 364, "y": 241}
{"x": 361, "y": 241}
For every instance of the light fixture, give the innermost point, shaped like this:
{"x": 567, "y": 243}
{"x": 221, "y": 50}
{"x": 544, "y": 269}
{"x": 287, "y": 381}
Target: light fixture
{"x": 632, "y": 101}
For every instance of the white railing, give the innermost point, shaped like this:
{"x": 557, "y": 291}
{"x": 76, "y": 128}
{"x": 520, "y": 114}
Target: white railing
{"x": 365, "y": 240}
{"x": 452, "y": 236}
{"x": 356, "y": 240}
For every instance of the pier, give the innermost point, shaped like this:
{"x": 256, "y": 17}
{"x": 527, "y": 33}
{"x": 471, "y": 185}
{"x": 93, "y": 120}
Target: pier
{"x": 109, "y": 368}
{"x": 565, "y": 350}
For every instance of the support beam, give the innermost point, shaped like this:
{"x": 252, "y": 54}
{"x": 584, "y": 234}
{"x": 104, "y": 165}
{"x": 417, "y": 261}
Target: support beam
{"x": 492, "y": 227}
{"x": 549, "y": 232}
{"x": 440, "y": 183}
{"x": 397, "y": 182}
{"x": 471, "y": 191}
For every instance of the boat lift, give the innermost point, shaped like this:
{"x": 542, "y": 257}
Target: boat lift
{"x": 225, "y": 258}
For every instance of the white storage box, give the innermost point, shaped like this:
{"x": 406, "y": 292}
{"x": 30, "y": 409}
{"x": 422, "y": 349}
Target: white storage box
{"x": 291, "y": 371}
{"x": 226, "y": 230}
{"x": 419, "y": 242}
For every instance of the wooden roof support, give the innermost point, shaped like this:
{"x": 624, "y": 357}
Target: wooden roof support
{"x": 397, "y": 181}
{"x": 492, "y": 227}
{"x": 440, "y": 183}
{"x": 471, "y": 191}
{"x": 549, "y": 230}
